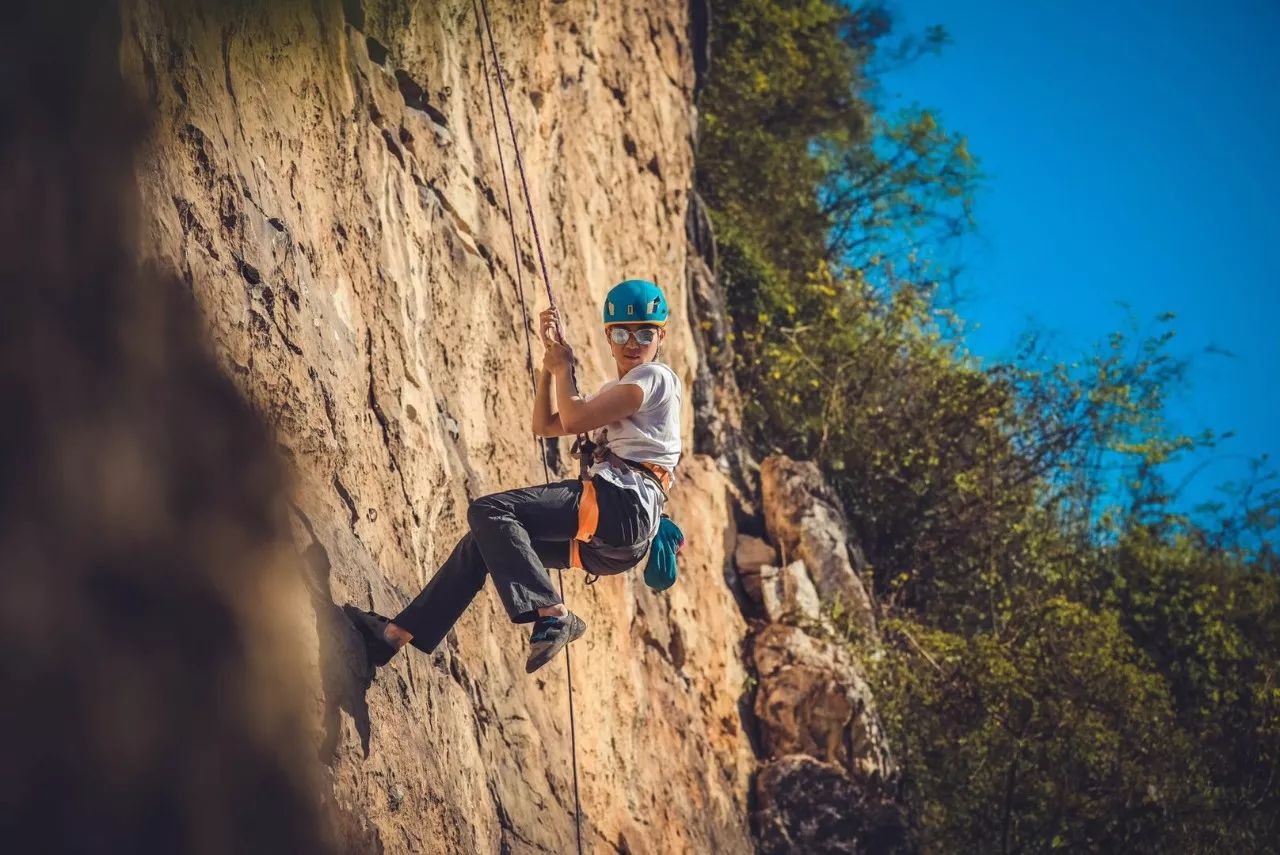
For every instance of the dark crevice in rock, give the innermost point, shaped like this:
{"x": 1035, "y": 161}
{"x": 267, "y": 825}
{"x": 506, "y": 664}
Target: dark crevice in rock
{"x": 346, "y": 500}
{"x": 293, "y": 348}
{"x": 268, "y": 301}
{"x": 486, "y": 190}
{"x": 259, "y": 330}
{"x": 197, "y": 142}
{"x": 414, "y": 95}
{"x": 249, "y": 272}
{"x": 377, "y": 50}
{"x": 390, "y": 432}
{"x": 353, "y": 12}
{"x": 436, "y": 116}
{"x": 226, "y": 63}
{"x": 415, "y": 98}
{"x": 373, "y": 399}
{"x": 392, "y": 146}
{"x": 193, "y": 228}
{"x": 717, "y": 401}
{"x": 700, "y": 43}
{"x": 327, "y": 397}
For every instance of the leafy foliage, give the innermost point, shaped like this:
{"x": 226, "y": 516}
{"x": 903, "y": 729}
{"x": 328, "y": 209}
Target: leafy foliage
{"x": 1070, "y": 663}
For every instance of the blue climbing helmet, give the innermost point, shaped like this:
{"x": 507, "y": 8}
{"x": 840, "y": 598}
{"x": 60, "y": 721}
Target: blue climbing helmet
{"x": 635, "y": 301}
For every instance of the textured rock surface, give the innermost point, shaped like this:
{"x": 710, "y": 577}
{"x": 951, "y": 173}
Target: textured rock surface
{"x": 749, "y": 555}
{"x": 787, "y": 593}
{"x": 806, "y": 520}
{"x": 324, "y": 179}
{"x": 806, "y": 805}
{"x": 144, "y": 564}
{"x": 716, "y": 399}
{"x": 812, "y": 699}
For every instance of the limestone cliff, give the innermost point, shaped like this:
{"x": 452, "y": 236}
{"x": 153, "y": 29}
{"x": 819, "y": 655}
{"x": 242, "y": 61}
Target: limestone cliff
{"x": 324, "y": 178}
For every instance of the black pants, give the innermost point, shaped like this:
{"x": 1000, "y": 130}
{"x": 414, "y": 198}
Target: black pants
{"x": 515, "y": 536}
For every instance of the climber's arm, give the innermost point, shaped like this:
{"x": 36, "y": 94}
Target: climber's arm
{"x": 545, "y": 422}
{"x": 577, "y": 415}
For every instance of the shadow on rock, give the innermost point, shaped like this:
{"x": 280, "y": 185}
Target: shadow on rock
{"x": 345, "y": 672}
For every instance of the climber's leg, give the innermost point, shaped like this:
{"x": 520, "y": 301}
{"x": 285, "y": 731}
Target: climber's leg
{"x": 509, "y": 526}
{"x": 503, "y": 531}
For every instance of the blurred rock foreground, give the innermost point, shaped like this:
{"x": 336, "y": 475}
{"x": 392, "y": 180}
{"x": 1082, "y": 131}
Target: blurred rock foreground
{"x": 319, "y": 259}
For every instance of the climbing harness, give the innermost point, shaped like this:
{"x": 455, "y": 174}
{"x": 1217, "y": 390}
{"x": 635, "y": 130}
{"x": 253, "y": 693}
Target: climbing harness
{"x": 590, "y": 452}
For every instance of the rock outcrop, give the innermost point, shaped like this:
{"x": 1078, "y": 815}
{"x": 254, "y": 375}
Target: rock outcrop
{"x": 810, "y": 806}
{"x": 814, "y": 700}
{"x": 144, "y": 564}
{"x": 320, "y": 184}
{"x": 323, "y": 177}
{"x": 829, "y": 782}
{"x": 806, "y": 520}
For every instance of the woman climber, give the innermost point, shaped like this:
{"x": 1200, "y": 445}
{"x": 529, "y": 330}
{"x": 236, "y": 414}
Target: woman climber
{"x": 603, "y": 522}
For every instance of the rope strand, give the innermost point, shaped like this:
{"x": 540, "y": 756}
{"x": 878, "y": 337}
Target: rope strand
{"x": 546, "y": 279}
{"x": 515, "y": 244}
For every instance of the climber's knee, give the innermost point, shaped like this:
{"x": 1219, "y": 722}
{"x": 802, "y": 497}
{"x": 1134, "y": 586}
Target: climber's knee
{"x": 482, "y": 512}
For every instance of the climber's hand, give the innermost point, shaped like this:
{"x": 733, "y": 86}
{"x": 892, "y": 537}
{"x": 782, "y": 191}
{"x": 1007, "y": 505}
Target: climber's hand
{"x": 556, "y": 357}
{"x": 549, "y": 326}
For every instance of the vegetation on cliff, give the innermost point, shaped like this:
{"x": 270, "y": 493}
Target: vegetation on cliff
{"x": 1074, "y": 662}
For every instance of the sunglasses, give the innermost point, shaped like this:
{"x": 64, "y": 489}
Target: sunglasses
{"x": 644, "y": 336}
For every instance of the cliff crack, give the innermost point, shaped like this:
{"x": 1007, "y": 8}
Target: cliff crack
{"x": 346, "y": 500}
{"x": 387, "y": 428}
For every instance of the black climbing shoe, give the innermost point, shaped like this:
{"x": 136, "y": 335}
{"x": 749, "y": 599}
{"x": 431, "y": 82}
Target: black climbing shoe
{"x": 371, "y": 625}
{"x": 550, "y": 634}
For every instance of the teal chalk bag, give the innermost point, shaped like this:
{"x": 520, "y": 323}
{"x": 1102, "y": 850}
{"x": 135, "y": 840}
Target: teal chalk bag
{"x": 660, "y": 571}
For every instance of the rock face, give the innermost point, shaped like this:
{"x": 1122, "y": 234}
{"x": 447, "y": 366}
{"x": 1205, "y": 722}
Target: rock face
{"x": 749, "y": 555}
{"x": 810, "y": 806}
{"x": 806, "y": 520}
{"x": 716, "y": 399}
{"x": 323, "y": 178}
{"x": 813, "y": 700}
{"x": 831, "y": 783}
{"x": 147, "y": 680}
{"x": 788, "y": 593}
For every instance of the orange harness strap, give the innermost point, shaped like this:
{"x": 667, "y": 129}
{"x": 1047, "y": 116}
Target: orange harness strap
{"x": 663, "y": 475}
{"x": 588, "y": 520}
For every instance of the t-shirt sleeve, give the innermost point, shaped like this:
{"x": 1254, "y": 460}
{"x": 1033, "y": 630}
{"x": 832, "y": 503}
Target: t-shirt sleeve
{"x": 656, "y": 381}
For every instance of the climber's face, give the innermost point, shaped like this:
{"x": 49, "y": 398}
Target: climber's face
{"x": 633, "y": 344}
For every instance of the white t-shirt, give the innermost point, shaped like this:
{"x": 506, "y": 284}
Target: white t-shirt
{"x": 649, "y": 435}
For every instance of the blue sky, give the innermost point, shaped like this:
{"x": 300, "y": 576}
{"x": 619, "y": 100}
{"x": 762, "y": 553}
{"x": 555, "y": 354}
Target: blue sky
{"x": 1133, "y": 154}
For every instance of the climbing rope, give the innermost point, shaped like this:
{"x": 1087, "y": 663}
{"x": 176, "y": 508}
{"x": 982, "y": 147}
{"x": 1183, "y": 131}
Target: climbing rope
{"x": 546, "y": 279}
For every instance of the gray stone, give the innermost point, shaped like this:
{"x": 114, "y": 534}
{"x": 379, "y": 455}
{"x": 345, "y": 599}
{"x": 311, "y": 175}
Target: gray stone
{"x": 788, "y": 592}
{"x": 806, "y": 520}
